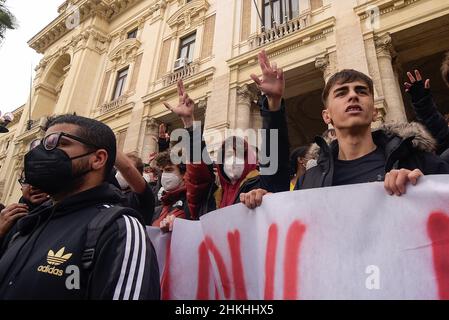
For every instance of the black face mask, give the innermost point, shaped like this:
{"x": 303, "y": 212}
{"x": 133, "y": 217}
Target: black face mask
{"x": 51, "y": 171}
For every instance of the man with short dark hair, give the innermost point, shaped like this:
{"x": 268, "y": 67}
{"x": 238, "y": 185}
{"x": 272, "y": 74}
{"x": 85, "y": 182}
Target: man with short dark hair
{"x": 395, "y": 155}
{"x": 83, "y": 246}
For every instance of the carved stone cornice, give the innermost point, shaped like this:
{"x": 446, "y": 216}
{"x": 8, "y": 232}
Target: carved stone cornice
{"x": 79, "y": 41}
{"x": 382, "y": 7}
{"x": 17, "y": 115}
{"x": 158, "y": 5}
{"x": 80, "y": 10}
{"x": 186, "y": 13}
{"x": 125, "y": 51}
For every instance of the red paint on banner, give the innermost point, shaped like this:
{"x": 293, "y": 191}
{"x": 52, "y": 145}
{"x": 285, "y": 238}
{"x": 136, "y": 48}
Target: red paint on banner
{"x": 438, "y": 231}
{"x": 203, "y": 273}
{"x": 165, "y": 281}
{"x": 291, "y": 259}
{"x": 270, "y": 262}
{"x": 237, "y": 265}
{"x": 221, "y": 267}
{"x": 217, "y": 296}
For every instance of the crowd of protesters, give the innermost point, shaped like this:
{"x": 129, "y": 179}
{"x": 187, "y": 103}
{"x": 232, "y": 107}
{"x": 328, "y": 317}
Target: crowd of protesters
{"x": 89, "y": 202}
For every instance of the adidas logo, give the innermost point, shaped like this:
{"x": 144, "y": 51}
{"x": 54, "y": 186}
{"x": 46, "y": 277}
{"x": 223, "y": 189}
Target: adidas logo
{"x": 55, "y": 259}
{"x": 58, "y": 258}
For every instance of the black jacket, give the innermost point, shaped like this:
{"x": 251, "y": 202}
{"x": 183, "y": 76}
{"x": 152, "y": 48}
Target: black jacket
{"x": 280, "y": 181}
{"x": 406, "y": 146}
{"x": 39, "y": 261}
{"x": 427, "y": 113}
{"x": 143, "y": 203}
{"x": 31, "y": 206}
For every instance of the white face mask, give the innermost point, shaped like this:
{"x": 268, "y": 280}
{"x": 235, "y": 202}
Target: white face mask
{"x": 148, "y": 177}
{"x": 121, "y": 181}
{"x": 170, "y": 181}
{"x": 233, "y": 167}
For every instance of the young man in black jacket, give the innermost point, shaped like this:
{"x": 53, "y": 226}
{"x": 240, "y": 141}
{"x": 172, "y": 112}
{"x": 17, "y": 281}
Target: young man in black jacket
{"x": 358, "y": 155}
{"x": 57, "y": 252}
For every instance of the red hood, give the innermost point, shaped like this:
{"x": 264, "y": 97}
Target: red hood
{"x": 230, "y": 190}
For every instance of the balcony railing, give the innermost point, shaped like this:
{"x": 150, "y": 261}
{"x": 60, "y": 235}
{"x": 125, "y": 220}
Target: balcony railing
{"x": 282, "y": 30}
{"x": 115, "y": 104}
{"x": 181, "y": 74}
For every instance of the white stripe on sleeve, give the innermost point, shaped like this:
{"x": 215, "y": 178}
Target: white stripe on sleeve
{"x": 130, "y": 279}
{"x": 142, "y": 263}
{"x": 118, "y": 288}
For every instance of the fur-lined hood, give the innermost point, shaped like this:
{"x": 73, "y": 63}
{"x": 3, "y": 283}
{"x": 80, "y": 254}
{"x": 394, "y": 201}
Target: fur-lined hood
{"x": 422, "y": 140}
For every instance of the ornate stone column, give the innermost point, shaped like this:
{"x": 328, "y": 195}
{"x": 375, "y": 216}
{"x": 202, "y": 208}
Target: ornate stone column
{"x": 245, "y": 97}
{"x": 327, "y": 64}
{"x": 393, "y": 97}
{"x": 150, "y": 143}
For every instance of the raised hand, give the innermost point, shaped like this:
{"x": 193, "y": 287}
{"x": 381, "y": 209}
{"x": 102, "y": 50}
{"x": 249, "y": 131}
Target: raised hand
{"x": 163, "y": 134}
{"x": 152, "y": 157}
{"x": 272, "y": 83}
{"x": 184, "y": 109}
{"x": 416, "y": 87}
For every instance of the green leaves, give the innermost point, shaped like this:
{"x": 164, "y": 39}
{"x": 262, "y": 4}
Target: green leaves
{"x": 7, "y": 19}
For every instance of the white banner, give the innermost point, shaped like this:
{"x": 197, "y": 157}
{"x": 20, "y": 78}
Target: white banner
{"x": 350, "y": 242}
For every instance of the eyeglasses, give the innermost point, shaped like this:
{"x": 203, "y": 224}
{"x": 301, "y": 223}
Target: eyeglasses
{"x": 51, "y": 141}
{"x": 35, "y": 143}
{"x": 21, "y": 180}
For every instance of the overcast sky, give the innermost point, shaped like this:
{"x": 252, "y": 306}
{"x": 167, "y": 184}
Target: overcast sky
{"x": 15, "y": 55}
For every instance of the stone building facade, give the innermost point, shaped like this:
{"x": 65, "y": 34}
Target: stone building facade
{"x": 118, "y": 60}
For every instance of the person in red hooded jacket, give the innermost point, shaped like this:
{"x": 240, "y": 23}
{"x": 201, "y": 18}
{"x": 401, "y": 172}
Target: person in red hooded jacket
{"x": 174, "y": 202}
{"x": 236, "y": 165}
{"x": 237, "y": 173}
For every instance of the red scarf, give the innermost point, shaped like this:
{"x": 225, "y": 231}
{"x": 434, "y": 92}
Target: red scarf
{"x": 170, "y": 197}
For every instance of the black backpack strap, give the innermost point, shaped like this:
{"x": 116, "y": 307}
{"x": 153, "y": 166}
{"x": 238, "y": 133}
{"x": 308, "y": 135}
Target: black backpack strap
{"x": 108, "y": 214}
